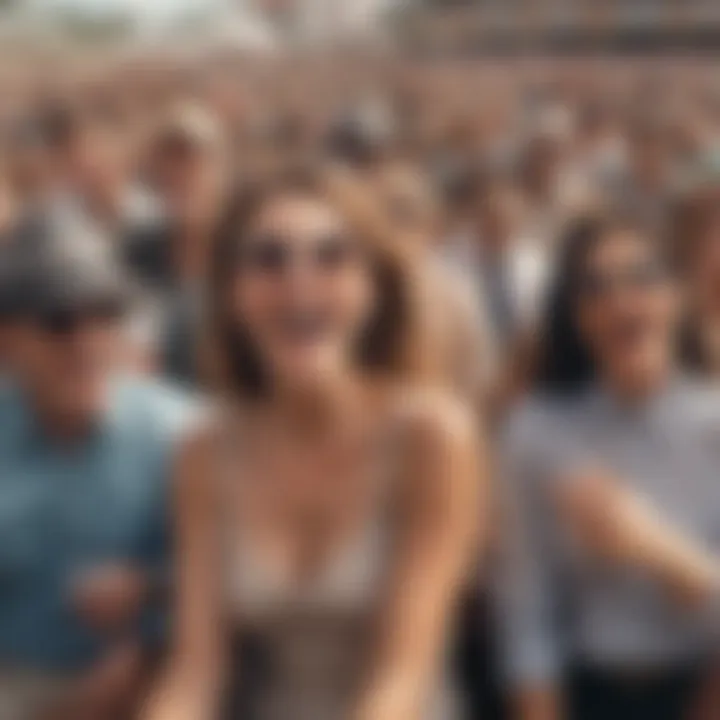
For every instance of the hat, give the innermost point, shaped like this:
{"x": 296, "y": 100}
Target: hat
{"x": 190, "y": 125}
{"x": 57, "y": 261}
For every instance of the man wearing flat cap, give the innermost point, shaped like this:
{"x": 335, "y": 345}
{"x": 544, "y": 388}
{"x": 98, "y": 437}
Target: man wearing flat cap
{"x": 84, "y": 459}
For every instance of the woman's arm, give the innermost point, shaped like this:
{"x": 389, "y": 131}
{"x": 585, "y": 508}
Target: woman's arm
{"x": 191, "y": 686}
{"x": 623, "y": 526}
{"x": 442, "y": 498}
{"x": 525, "y": 577}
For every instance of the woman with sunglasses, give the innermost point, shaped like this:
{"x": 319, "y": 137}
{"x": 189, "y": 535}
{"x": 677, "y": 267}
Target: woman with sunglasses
{"x": 326, "y": 518}
{"x": 612, "y": 495}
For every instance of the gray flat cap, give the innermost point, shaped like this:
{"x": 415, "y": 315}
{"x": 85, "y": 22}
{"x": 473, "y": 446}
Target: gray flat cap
{"x": 58, "y": 261}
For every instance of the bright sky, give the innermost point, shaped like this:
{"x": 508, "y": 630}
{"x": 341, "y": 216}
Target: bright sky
{"x": 144, "y": 8}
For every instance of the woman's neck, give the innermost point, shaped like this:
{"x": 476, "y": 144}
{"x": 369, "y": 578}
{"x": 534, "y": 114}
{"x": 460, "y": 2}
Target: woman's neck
{"x": 709, "y": 341}
{"x": 312, "y": 410}
{"x": 639, "y": 388}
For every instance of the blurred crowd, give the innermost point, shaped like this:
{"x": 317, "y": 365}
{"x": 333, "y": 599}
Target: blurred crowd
{"x": 360, "y": 388}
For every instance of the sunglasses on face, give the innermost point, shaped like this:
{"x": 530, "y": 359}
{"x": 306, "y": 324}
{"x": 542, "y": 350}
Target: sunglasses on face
{"x": 648, "y": 275}
{"x": 274, "y": 255}
{"x": 63, "y": 323}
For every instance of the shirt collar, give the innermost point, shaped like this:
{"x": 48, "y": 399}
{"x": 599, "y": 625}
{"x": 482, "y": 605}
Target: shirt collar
{"x": 659, "y": 404}
{"x": 31, "y": 436}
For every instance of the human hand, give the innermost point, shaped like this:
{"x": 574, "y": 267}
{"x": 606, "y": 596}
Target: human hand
{"x": 110, "y": 597}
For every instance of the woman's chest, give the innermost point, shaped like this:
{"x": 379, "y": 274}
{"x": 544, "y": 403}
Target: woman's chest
{"x": 308, "y": 536}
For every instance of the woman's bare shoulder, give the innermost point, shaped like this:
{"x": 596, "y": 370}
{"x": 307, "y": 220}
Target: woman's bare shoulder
{"x": 438, "y": 448}
{"x": 196, "y": 455}
{"x": 210, "y": 430}
{"x": 429, "y": 417}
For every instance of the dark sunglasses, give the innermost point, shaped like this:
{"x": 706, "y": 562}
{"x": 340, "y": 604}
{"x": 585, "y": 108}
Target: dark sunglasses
{"x": 274, "y": 255}
{"x": 65, "y": 322}
{"x": 637, "y": 277}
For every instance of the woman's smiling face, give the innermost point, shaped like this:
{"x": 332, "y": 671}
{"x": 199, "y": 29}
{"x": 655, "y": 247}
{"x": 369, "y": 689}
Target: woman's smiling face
{"x": 304, "y": 288}
{"x": 627, "y": 306}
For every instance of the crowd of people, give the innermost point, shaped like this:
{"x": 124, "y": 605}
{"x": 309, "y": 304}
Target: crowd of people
{"x": 360, "y": 388}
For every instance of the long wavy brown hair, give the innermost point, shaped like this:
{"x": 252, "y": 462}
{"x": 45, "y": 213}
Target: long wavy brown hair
{"x": 393, "y": 345}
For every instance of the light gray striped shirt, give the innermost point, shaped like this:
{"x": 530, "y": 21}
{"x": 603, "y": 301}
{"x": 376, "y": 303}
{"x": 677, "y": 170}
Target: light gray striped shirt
{"x": 556, "y": 603}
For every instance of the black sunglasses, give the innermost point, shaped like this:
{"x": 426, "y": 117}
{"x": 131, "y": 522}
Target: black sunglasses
{"x": 640, "y": 276}
{"x": 275, "y": 255}
{"x": 64, "y": 322}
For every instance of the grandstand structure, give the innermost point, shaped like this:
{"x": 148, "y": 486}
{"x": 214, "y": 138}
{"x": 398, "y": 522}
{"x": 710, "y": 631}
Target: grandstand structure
{"x": 310, "y": 21}
{"x": 562, "y": 25}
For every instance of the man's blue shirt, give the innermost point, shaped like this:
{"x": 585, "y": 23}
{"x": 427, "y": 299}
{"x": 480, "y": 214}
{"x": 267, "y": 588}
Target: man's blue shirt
{"x": 68, "y": 509}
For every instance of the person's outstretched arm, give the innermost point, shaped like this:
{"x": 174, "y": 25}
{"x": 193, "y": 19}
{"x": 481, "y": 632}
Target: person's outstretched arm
{"x": 625, "y": 527}
{"x": 191, "y": 686}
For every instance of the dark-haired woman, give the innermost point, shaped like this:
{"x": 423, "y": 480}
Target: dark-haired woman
{"x": 613, "y": 497}
{"x": 697, "y": 243}
{"x": 328, "y": 514}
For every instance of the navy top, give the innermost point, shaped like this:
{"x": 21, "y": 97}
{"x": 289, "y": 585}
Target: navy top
{"x": 66, "y": 509}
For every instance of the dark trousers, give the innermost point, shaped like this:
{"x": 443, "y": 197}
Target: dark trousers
{"x": 603, "y": 695}
{"x": 476, "y": 668}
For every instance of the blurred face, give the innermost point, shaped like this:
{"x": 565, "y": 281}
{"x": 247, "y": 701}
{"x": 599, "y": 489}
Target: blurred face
{"x": 627, "y": 310}
{"x": 96, "y": 161}
{"x": 30, "y": 172}
{"x": 499, "y": 210}
{"x": 304, "y": 290}
{"x": 649, "y": 157}
{"x": 64, "y": 359}
{"x": 542, "y": 164}
{"x": 189, "y": 179}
